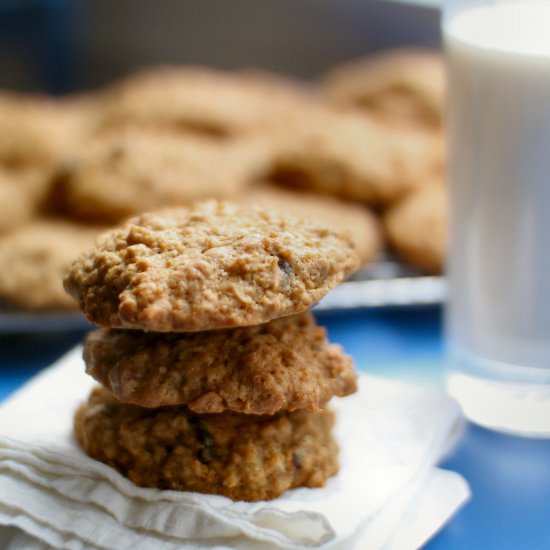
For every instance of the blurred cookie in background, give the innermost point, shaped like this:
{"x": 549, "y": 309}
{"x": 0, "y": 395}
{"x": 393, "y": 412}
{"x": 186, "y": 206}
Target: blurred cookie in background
{"x": 21, "y": 193}
{"x": 405, "y": 87}
{"x": 126, "y": 172}
{"x": 34, "y": 259}
{"x": 35, "y": 131}
{"x": 417, "y": 228}
{"x": 199, "y": 100}
{"x": 357, "y": 220}
{"x": 352, "y": 157}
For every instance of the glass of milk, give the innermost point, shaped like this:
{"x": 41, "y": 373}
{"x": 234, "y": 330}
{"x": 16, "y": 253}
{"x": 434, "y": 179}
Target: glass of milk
{"x": 498, "y": 316}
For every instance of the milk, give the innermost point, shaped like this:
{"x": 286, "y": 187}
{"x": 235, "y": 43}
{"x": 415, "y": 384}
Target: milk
{"x": 498, "y": 320}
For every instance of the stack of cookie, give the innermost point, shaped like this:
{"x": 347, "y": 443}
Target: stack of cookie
{"x": 214, "y": 375}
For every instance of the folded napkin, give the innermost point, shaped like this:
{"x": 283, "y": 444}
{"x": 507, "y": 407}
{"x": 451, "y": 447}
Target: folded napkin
{"x": 388, "y": 492}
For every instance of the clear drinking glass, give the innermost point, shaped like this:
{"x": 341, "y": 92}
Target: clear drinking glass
{"x": 498, "y": 315}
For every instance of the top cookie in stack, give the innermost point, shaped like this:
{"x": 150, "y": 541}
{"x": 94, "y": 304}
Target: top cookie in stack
{"x": 208, "y": 267}
{"x": 225, "y": 392}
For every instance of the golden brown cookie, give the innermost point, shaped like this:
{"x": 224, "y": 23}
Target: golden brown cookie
{"x": 210, "y": 266}
{"x": 34, "y": 259}
{"x": 417, "y": 228}
{"x": 124, "y": 173}
{"x": 352, "y": 157}
{"x": 243, "y": 457}
{"x": 359, "y": 221}
{"x": 403, "y": 87}
{"x": 286, "y": 364}
{"x": 36, "y": 131}
{"x": 198, "y": 100}
{"x": 16, "y": 202}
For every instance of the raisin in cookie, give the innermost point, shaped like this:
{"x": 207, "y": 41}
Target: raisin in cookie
{"x": 358, "y": 220}
{"x": 286, "y": 364}
{"x": 243, "y": 457}
{"x": 214, "y": 265}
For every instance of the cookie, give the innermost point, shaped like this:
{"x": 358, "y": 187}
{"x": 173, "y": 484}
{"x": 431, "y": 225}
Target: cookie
{"x": 417, "y": 228}
{"x": 359, "y": 221}
{"x": 124, "y": 173}
{"x": 198, "y": 100}
{"x": 286, "y": 364}
{"x": 36, "y": 131}
{"x": 243, "y": 457}
{"x": 34, "y": 259}
{"x": 23, "y": 195}
{"x": 403, "y": 87}
{"x": 16, "y": 204}
{"x": 352, "y": 157}
{"x": 213, "y": 265}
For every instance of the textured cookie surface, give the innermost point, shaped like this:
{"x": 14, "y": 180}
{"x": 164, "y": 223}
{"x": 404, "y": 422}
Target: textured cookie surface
{"x": 417, "y": 228}
{"x": 243, "y": 457}
{"x": 358, "y": 220}
{"x": 211, "y": 266}
{"x": 286, "y": 364}
{"x": 34, "y": 259}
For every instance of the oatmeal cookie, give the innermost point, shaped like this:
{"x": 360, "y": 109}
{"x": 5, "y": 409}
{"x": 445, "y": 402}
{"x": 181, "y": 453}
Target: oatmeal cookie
{"x": 417, "y": 228}
{"x": 404, "y": 86}
{"x": 36, "y": 131}
{"x": 199, "y": 100}
{"x": 243, "y": 457}
{"x": 34, "y": 259}
{"x": 16, "y": 204}
{"x": 352, "y": 157}
{"x": 358, "y": 220}
{"x": 23, "y": 195}
{"x": 124, "y": 173}
{"x": 286, "y": 364}
{"x": 210, "y": 266}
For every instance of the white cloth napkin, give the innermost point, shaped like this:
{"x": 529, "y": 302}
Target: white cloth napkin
{"x": 388, "y": 493}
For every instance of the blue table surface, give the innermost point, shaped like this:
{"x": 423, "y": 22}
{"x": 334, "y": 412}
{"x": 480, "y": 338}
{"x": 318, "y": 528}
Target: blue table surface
{"x": 509, "y": 476}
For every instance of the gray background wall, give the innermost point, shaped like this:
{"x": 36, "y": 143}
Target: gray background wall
{"x": 95, "y": 41}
